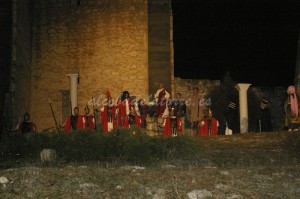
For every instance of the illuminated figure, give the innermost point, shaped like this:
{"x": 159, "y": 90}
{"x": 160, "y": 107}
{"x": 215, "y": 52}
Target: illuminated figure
{"x": 209, "y": 125}
{"x": 74, "y": 121}
{"x": 108, "y": 114}
{"x": 291, "y": 108}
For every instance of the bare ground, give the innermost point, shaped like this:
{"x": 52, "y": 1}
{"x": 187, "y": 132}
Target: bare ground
{"x": 253, "y": 165}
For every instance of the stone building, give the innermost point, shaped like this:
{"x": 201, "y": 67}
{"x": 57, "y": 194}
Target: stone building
{"x": 111, "y": 44}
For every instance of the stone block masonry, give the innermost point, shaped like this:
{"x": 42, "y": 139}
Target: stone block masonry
{"x": 106, "y": 42}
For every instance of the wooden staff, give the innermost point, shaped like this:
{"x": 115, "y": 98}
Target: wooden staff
{"x": 57, "y": 128}
{"x": 94, "y": 111}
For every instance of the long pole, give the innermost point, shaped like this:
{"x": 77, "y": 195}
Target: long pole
{"x": 94, "y": 114}
{"x": 57, "y": 128}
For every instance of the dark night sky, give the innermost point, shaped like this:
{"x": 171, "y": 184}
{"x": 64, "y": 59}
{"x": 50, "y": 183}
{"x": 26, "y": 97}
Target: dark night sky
{"x": 255, "y": 40}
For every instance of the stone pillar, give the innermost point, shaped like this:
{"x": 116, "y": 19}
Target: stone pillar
{"x": 172, "y": 52}
{"x": 73, "y": 89}
{"x": 242, "y": 88}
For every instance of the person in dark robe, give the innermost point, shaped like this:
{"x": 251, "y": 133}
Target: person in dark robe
{"x": 123, "y": 109}
{"x": 133, "y": 118}
{"x": 143, "y": 109}
{"x": 231, "y": 118}
{"x": 26, "y": 126}
{"x": 264, "y": 123}
{"x": 74, "y": 121}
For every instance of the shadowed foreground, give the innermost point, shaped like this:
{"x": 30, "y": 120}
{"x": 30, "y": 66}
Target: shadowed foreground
{"x": 264, "y": 165}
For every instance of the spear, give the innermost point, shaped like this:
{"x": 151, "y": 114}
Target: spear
{"x": 94, "y": 114}
{"x": 57, "y": 128}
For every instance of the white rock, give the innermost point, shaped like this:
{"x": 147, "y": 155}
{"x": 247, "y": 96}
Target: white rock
{"x": 225, "y": 173}
{"x": 199, "y": 194}
{"x": 129, "y": 167}
{"x": 219, "y": 186}
{"x": 160, "y": 194}
{"x": 168, "y": 166}
{"x": 87, "y": 185}
{"x": 235, "y": 197}
{"x": 3, "y": 180}
{"x": 139, "y": 168}
{"x": 119, "y": 187}
{"x": 48, "y": 155}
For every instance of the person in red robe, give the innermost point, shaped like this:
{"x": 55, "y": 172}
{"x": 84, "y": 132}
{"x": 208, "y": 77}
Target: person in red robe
{"x": 209, "y": 125}
{"x": 123, "y": 110}
{"x": 74, "y": 121}
{"x": 172, "y": 124}
{"x": 89, "y": 120}
{"x": 108, "y": 115}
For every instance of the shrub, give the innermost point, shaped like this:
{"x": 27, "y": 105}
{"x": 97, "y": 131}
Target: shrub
{"x": 121, "y": 144}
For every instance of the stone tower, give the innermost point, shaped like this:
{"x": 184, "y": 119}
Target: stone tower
{"x": 110, "y": 44}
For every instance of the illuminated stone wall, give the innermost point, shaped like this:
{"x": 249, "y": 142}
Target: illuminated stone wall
{"x": 106, "y": 42}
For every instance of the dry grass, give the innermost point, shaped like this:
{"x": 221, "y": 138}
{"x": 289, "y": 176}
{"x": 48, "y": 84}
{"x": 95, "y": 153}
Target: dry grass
{"x": 241, "y": 166}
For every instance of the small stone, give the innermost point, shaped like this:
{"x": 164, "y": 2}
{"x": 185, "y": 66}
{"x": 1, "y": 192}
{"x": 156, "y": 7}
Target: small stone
{"x": 3, "y": 180}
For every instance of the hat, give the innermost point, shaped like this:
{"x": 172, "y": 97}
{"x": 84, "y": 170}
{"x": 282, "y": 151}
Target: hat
{"x": 107, "y": 94}
{"x": 232, "y": 105}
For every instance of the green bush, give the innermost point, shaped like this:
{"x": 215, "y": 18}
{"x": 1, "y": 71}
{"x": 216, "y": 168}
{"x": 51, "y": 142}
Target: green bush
{"x": 132, "y": 145}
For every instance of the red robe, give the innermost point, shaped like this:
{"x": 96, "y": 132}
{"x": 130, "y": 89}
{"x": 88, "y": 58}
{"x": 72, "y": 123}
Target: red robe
{"x": 104, "y": 118}
{"x": 137, "y": 120}
{"x": 122, "y": 115}
{"x": 168, "y": 128}
{"x": 78, "y": 126}
{"x": 203, "y": 130}
{"x": 91, "y": 124}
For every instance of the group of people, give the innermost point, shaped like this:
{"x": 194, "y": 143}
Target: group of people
{"x": 129, "y": 111}
{"x": 77, "y": 121}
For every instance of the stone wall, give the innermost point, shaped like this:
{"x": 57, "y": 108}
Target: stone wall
{"x": 185, "y": 86}
{"x": 160, "y": 43}
{"x": 18, "y": 99}
{"x": 275, "y": 96}
{"x": 106, "y": 42}
{"x": 5, "y": 48}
